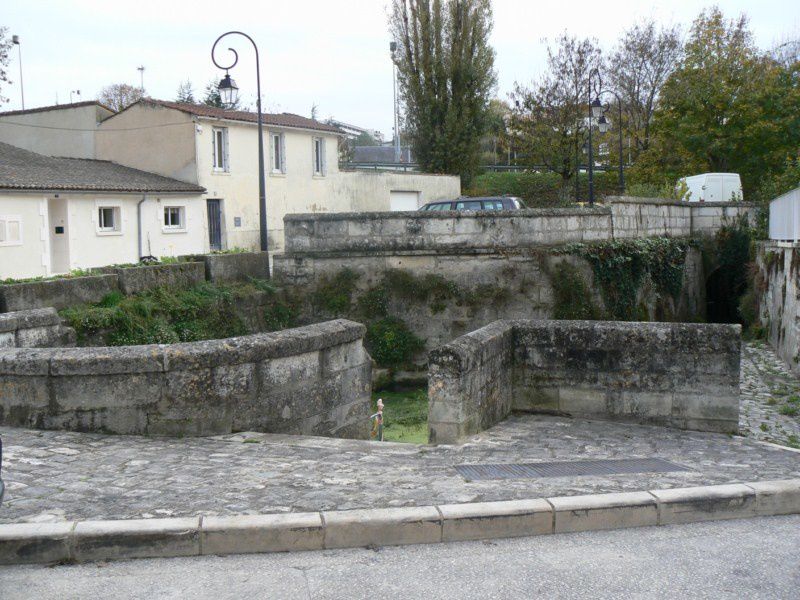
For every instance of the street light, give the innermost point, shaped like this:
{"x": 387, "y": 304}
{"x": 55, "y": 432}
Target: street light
{"x": 228, "y": 93}
{"x": 397, "y": 146}
{"x": 598, "y": 110}
{"x": 15, "y": 41}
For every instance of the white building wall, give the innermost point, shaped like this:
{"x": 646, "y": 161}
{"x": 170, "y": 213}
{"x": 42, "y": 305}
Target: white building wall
{"x": 68, "y": 132}
{"x": 24, "y": 259}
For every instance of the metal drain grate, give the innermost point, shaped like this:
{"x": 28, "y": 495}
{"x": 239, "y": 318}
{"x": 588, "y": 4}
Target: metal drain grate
{"x": 568, "y": 468}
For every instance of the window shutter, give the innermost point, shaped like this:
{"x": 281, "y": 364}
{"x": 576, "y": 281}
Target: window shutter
{"x": 283, "y": 153}
{"x": 313, "y": 156}
{"x": 214, "y": 149}
{"x": 271, "y": 154}
{"x": 227, "y": 163}
{"x": 323, "y": 158}
{"x": 2, "y": 230}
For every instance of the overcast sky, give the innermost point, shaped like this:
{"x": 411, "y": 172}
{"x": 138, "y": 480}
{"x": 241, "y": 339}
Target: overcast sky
{"x": 333, "y": 53}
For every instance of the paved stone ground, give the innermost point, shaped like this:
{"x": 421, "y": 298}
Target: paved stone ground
{"x": 63, "y": 475}
{"x": 770, "y": 405}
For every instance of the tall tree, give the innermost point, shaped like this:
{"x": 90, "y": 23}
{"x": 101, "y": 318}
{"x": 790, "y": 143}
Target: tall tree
{"x": 637, "y": 70}
{"x": 446, "y": 75}
{"x": 120, "y": 96}
{"x": 5, "y": 57}
{"x": 185, "y": 92}
{"x": 549, "y": 118}
{"x": 728, "y": 106}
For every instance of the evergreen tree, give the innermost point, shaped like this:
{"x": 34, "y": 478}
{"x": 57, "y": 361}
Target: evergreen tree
{"x": 185, "y": 93}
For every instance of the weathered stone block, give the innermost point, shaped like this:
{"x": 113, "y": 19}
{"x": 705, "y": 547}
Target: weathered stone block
{"x": 487, "y": 520}
{"x": 262, "y": 533}
{"x": 136, "y": 538}
{"x": 687, "y": 505}
{"x": 777, "y": 497}
{"x": 35, "y": 542}
{"x": 382, "y": 527}
{"x": 604, "y": 511}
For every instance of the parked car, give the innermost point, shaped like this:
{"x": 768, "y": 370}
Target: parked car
{"x": 482, "y": 203}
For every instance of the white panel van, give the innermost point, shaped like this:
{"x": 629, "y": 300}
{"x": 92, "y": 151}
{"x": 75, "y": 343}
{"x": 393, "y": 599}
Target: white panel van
{"x": 712, "y": 187}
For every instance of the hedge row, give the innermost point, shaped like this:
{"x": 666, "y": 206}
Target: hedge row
{"x": 542, "y": 190}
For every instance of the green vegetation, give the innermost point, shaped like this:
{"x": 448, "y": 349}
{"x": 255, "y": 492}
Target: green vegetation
{"x": 405, "y": 415}
{"x": 391, "y": 342}
{"x": 165, "y": 316}
{"x": 573, "y": 299}
{"x": 334, "y": 294}
{"x": 541, "y": 190}
{"x": 620, "y": 266}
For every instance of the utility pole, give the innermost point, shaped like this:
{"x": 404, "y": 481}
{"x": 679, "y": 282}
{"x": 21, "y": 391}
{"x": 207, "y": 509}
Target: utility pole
{"x": 393, "y": 49}
{"x": 141, "y": 77}
{"x": 15, "y": 41}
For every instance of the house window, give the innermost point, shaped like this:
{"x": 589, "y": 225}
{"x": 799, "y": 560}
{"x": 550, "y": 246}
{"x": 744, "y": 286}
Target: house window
{"x": 174, "y": 217}
{"x": 220, "y": 143}
{"x": 10, "y": 230}
{"x": 277, "y": 151}
{"x": 319, "y": 156}
{"x": 108, "y": 219}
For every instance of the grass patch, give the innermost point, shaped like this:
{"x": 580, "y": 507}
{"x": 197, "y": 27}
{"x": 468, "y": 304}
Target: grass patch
{"x": 405, "y": 415}
{"x": 789, "y": 411}
{"x": 167, "y": 316}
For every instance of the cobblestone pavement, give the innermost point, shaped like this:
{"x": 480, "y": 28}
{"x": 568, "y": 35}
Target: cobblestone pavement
{"x": 770, "y": 401}
{"x": 53, "y": 475}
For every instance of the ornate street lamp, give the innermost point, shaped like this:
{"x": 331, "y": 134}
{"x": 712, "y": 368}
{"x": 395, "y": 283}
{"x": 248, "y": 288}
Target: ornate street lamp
{"x": 228, "y": 93}
{"x": 598, "y": 110}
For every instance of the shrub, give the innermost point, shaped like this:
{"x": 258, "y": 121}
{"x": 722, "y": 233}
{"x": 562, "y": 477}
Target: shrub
{"x": 334, "y": 294}
{"x": 573, "y": 299}
{"x": 391, "y": 342}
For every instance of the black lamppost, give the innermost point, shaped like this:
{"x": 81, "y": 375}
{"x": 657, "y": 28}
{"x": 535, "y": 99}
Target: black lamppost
{"x": 596, "y": 111}
{"x": 603, "y": 125}
{"x": 228, "y": 92}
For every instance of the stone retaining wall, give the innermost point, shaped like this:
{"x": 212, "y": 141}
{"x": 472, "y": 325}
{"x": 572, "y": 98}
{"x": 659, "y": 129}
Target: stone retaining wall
{"x": 673, "y": 374}
{"x": 57, "y": 293}
{"x": 313, "y": 380}
{"x": 72, "y": 291}
{"x": 399, "y": 232}
{"x": 37, "y": 328}
{"x": 778, "y": 287}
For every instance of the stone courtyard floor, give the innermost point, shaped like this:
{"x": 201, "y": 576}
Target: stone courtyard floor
{"x": 63, "y": 475}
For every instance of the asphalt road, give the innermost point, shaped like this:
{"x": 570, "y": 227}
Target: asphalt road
{"x": 755, "y": 558}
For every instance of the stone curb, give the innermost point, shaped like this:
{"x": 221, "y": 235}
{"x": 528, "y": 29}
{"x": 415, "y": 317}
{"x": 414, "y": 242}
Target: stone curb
{"x": 79, "y": 541}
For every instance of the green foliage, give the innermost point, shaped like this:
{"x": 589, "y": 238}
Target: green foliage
{"x": 165, "y": 316}
{"x": 726, "y": 108}
{"x": 405, "y": 415}
{"x": 573, "y": 299}
{"x": 445, "y": 69}
{"x": 391, "y": 343}
{"x": 432, "y": 289}
{"x": 620, "y": 266}
{"x": 334, "y": 294}
{"x": 541, "y": 190}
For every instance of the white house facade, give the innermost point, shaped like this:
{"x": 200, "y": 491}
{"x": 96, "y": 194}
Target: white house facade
{"x": 216, "y": 149}
{"x": 62, "y": 214}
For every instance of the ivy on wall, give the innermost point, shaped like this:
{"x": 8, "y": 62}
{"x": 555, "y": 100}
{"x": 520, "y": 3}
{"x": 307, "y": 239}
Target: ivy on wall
{"x": 621, "y": 266}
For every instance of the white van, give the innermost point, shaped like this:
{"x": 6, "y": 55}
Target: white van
{"x": 712, "y": 187}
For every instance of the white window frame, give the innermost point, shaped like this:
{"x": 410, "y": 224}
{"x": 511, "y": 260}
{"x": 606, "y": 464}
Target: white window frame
{"x": 218, "y": 133}
{"x": 4, "y": 236}
{"x": 280, "y": 169}
{"x": 181, "y": 226}
{"x": 117, "y": 217}
{"x": 318, "y": 166}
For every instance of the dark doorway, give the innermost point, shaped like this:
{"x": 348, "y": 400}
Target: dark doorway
{"x": 724, "y": 288}
{"x": 214, "y": 224}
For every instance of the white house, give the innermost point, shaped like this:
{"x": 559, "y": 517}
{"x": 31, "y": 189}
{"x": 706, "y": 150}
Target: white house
{"x": 61, "y": 214}
{"x": 216, "y": 149}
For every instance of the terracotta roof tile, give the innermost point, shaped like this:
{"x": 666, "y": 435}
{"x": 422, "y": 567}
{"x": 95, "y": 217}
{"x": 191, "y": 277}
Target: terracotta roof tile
{"x": 278, "y": 120}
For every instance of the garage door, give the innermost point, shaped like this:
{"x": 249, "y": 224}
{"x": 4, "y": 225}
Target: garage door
{"x": 403, "y": 200}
